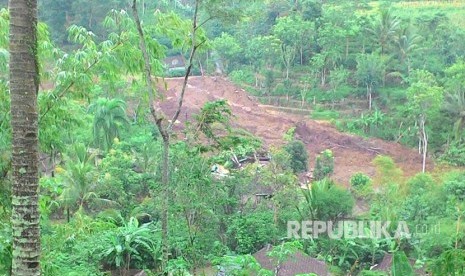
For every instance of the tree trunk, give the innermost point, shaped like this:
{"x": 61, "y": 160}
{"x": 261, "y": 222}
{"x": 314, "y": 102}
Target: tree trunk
{"x": 369, "y": 96}
{"x": 347, "y": 48}
{"x": 301, "y": 55}
{"x": 424, "y": 138}
{"x": 166, "y": 197}
{"x": 24, "y": 86}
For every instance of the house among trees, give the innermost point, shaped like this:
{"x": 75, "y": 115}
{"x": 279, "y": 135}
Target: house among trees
{"x": 175, "y": 63}
{"x": 296, "y": 263}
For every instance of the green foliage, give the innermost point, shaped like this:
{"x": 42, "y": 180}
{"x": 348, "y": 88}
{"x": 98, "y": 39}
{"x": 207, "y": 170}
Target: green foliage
{"x": 421, "y": 202}
{"x": 228, "y": 48}
{"x": 324, "y": 165}
{"x": 451, "y": 262}
{"x": 250, "y": 232}
{"x": 298, "y": 154}
{"x": 321, "y": 114}
{"x": 242, "y": 76}
{"x": 109, "y": 119}
{"x": 455, "y": 154}
{"x": 118, "y": 182}
{"x": 78, "y": 179}
{"x": 401, "y": 265}
{"x": 370, "y": 71}
{"x": 424, "y": 94}
{"x": 325, "y": 201}
{"x": 5, "y": 248}
{"x": 284, "y": 251}
{"x": 73, "y": 248}
{"x": 359, "y": 180}
{"x": 178, "y": 267}
{"x": 289, "y": 135}
{"x": 217, "y": 112}
{"x": 454, "y": 186}
{"x": 387, "y": 171}
{"x": 339, "y": 45}
{"x": 240, "y": 265}
{"x": 131, "y": 245}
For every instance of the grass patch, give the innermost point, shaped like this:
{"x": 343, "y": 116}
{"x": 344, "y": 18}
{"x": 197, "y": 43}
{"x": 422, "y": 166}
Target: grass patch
{"x": 324, "y": 114}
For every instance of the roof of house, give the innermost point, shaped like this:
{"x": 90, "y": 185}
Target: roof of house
{"x": 386, "y": 264}
{"x": 297, "y": 263}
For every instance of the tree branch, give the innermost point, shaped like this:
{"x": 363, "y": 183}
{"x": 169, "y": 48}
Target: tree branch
{"x": 148, "y": 74}
{"x": 189, "y": 67}
{"x": 73, "y": 82}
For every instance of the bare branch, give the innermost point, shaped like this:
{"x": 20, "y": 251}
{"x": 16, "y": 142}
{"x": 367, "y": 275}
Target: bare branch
{"x": 189, "y": 67}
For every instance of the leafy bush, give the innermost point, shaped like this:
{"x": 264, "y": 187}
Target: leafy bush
{"x": 455, "y": 186}
{"x": 359, "y": 180}
{"x": 250, "y": 232}
{"x": 332, "y": 202}
{"x": 131, "y": 245}
{"x": 299, "y": 156}
{"x": 455, "y": 154}
{"x": 242, "y": 76}
{"x": 451, "y": 262}
{"x": 324, "y": 165}
{"x": 387, "y": 171}
{"x": 325, "y": 201}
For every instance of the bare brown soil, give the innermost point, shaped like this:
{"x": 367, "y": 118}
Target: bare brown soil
{"x": 352, "y": 153}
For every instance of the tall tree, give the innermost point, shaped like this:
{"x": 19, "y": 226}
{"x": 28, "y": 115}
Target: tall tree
{"x": 384, "y": 30}
{"x": 196, "y": 39}
{"x": 454, "y": 101}
{"x": 370, "y": 71}
{"x": 165, "y": 128}
{"x": 424, "y": 100}
{"x": 24, "y": 87}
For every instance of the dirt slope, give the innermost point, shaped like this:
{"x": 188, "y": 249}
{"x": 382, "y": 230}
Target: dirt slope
{"x": 352, "y": 153}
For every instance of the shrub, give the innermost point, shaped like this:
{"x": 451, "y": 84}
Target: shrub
{"x": 359, "y": 180}
{"x": 242, "y": 76}
{"x": 299, "y": 156}
{"x": 324, "y": 165}
{"x": 455, "y": 154}
{"x": 326, "y": 201}
{"x": 455, "y": 187}
{"x": 250, "y": 232}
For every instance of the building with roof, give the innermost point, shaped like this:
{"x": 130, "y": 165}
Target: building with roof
{"x": 296, "y": 263}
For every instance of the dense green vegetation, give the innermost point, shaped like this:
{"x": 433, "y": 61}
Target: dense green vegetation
{"x": 398, "y": 66}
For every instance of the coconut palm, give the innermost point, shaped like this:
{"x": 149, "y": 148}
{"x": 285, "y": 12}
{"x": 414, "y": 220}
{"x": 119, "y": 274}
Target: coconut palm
{"x": 454, "y": 104}
{"x": 24, "y": 87}
{"x": 407, "y": 43}
{"x": 384, "y": 29}
{"x": 78, "y": 179}
{"x": 109, "y": 118}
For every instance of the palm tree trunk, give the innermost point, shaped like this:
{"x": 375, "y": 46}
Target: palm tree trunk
{"x": 24, "y": 86}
